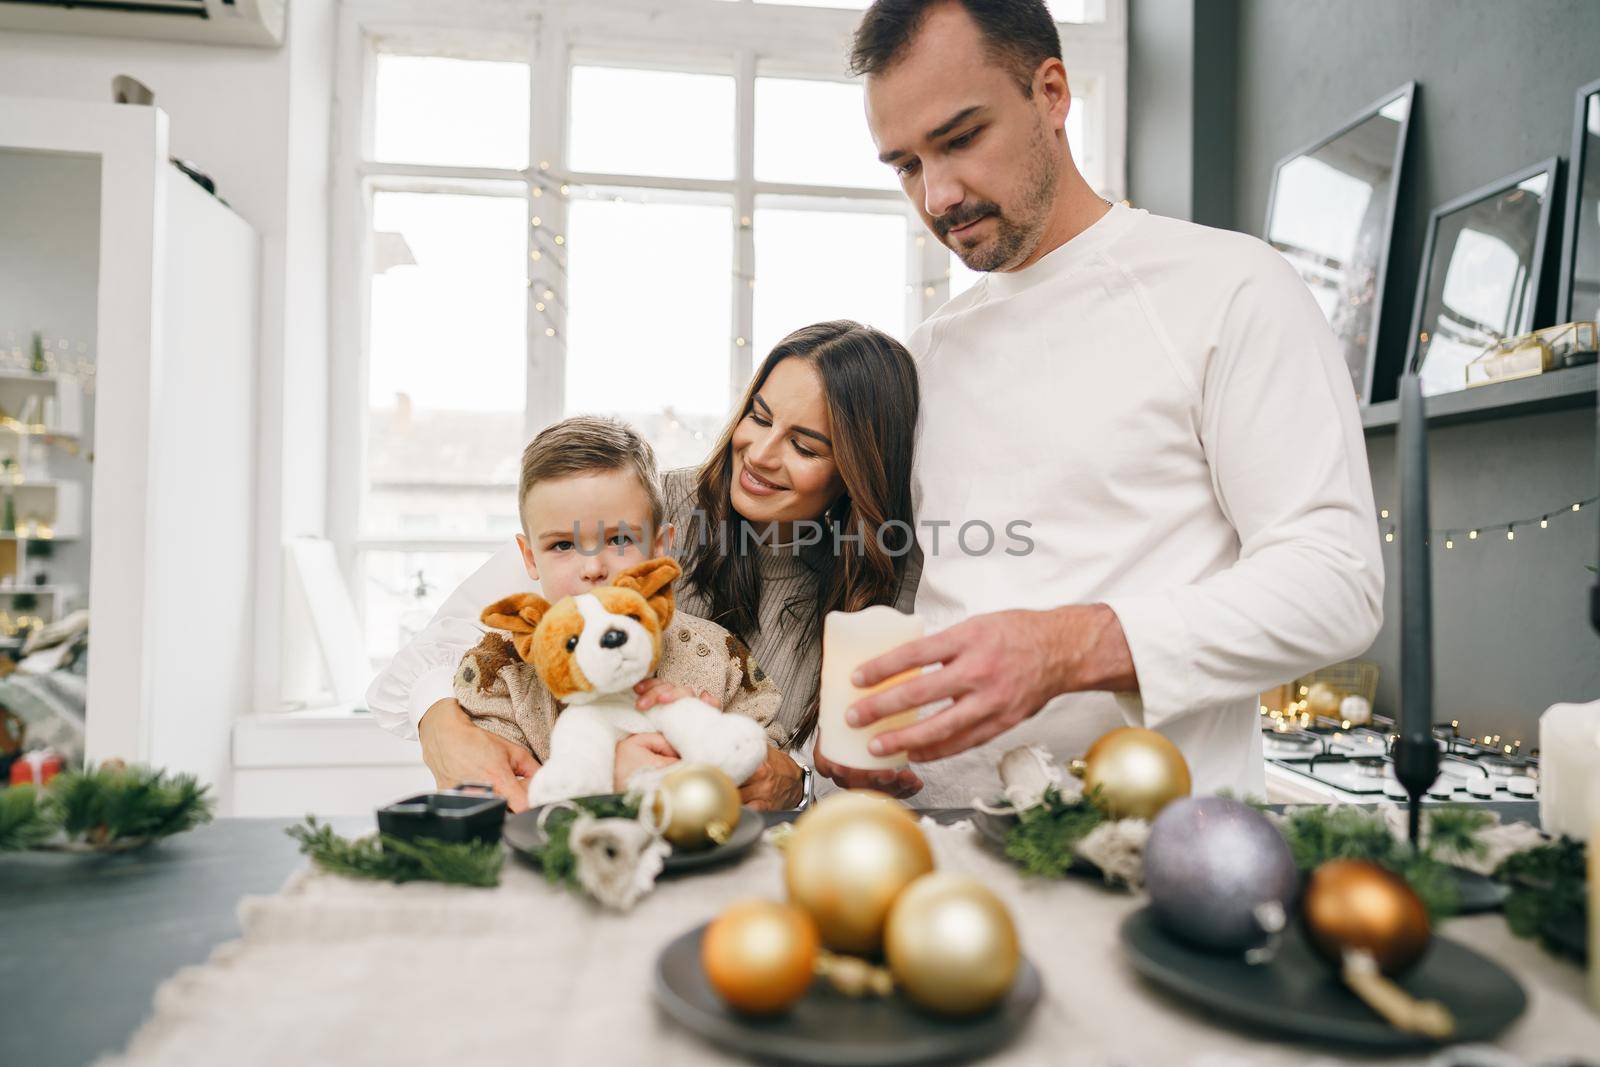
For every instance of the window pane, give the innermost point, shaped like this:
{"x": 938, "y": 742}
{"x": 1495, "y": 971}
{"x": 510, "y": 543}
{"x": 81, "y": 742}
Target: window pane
{"x": 465, "y": 112}
{"x": 815, "y": 132}
{"x": 447, "y": 370}
{"x": 962, "y": 277}
{"x": 649, "y": 323}
{"x": 1077, "y": 10}
{"x": 403, "y": 589}
{"x": 1060, "y": 10}
{"x": 655, "y": 122}
{"x": 814, "y": 265}
{"x": 852, "y": 5}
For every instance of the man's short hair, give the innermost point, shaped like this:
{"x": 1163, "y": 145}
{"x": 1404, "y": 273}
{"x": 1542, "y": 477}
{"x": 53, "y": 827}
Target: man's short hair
{"x": 1019, "y": 34}
{"x": 590, "y": 444}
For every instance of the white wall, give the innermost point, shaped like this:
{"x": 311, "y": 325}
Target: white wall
{"x": 256, "y": 120}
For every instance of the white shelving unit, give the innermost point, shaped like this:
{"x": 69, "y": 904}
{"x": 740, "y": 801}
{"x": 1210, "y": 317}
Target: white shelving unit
{"x": 168, "y": 509}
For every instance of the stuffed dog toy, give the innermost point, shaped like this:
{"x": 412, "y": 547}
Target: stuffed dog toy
{"x": 590, "y": 651}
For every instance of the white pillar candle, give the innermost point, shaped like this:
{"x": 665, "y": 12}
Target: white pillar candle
{"x": 1594, "y": 908}
{"x": 1569, "y": 764}
{"x": 849, "y": 639}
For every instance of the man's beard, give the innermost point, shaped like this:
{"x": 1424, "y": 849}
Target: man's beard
{"x": 1017, "y": 232}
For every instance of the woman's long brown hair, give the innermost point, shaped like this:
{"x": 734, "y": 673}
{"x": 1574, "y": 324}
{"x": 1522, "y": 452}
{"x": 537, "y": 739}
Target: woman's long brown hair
{"x": 869, "y": 384}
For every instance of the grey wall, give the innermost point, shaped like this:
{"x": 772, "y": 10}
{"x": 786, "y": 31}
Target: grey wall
{"x": 1497, "y": 83}
{"x": 1181, "y": 109}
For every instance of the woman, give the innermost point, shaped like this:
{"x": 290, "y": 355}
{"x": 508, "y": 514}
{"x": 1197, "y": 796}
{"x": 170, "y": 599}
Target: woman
{"x": 777, "y": 528}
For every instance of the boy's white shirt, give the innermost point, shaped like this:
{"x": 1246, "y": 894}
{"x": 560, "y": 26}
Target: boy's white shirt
{"x": 423, "y": 672}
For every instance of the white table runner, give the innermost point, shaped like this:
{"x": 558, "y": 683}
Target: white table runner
{"x": 337, "y": 971}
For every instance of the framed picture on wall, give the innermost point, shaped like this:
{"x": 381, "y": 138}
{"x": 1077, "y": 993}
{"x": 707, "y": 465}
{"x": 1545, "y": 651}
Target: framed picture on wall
{"x": 1331, "y": 213}
{"x": 1482, "y": 264}
{"x": 1578, "y": 298}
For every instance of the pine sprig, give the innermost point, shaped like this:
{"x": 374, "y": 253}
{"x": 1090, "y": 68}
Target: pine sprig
{"x": 1455, "y": 828}
{"x": 106, "y": 805}
{"x": 1548, "y": 887}
{"x": 1318, "y": 834}
{"x": 24, "y": 821}
{"x": 383, "y": 857}
{"x": 555, "y": 857}
{"x": 1045, "y": 838}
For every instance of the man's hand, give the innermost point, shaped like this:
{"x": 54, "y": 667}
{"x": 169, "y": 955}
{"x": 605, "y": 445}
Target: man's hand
{"x": 638, "y": 752}
{"x": 777, "y": 785}
{"x": 456, "y": 751}
{"x": 998, "y": 669}
{"x": 900, "y": 782}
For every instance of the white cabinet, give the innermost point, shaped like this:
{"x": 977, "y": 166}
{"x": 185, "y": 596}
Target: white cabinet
{"x": 167, "y": 512}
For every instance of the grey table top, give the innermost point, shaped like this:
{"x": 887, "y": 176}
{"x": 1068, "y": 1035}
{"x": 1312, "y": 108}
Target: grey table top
{"x": 86, "y": 939}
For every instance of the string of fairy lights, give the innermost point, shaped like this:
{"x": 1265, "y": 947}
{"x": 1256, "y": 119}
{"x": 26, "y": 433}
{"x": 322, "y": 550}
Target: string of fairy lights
{"x": 1461, "y": 536}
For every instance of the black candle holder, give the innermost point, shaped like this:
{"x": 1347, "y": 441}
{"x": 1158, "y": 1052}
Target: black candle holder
{"x": 1416, "y": 767}
{"x": 1416, "y": 754}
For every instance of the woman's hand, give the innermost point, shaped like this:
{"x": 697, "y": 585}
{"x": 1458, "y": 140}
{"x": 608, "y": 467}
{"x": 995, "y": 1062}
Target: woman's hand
{"x": 899, "y": 782}
{"x": 777, "y": 785}
{"x": 456, "y": 751}
{"x": 653, "y": 691}
{"x": 638, "y": 752}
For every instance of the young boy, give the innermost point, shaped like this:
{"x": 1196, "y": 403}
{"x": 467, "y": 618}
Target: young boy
{"x": 590, "y": 503}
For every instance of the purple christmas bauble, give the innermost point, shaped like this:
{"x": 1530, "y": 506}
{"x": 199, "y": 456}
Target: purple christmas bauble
{"x": 1218, "y": 872}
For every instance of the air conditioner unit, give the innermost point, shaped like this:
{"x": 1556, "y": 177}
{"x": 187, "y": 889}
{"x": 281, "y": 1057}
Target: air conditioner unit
{"x": 252, "y": 22}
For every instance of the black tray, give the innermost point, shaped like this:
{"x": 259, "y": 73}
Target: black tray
{"x": 830, "y": 1029}
{"x": 1476, "y": 892}
{"x": 1298, "y": 995}
{"x": 522, "y": 833}
{"x": 469, "y": 813}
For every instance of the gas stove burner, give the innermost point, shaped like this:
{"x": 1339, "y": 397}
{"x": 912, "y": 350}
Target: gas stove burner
{"x": 1457, "y": 746}
{"x": 1370, "y": 766}
{"x": 1503, "y": 766}
{"x": 1292, "y": 740}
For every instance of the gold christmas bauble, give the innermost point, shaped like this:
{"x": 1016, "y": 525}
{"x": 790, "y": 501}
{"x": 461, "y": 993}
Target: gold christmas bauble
{"x": 847, "y": 860}
{"x": 760, "y": 955}
{"x": 951, "y": 944}
{"x": 1354, "y": 904}
{"x": 1323, "y": 699}
{"x": 1137, "y": 771}
{"x": 701, "y": 806}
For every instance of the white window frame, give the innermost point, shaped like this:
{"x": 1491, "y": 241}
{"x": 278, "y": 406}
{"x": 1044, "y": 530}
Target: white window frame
{"x": 740, "y": 38}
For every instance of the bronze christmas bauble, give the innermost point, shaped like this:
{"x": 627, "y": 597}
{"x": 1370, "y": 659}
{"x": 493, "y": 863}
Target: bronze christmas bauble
{"x": 1355, "y": 904}
{"x": 1137, "y": 772}
{"x": 845, "y": 863}
{"x": 760, "y": 955}
{"x": 701, "y": 806}
{"x": 951, "y": 944}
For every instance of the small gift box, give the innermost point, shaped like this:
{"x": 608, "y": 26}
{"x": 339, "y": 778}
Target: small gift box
{"x": 36, "y": 767}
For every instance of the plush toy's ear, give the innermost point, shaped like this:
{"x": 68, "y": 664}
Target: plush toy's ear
{"x": 652, "y": 580}
{"x": 519, "y": 614}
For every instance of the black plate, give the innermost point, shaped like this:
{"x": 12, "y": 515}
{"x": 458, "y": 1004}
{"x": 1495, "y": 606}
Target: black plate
{"x": 1298, "y": 995}
{"x": 828, "y": 1028}
{"x": 994, "y": 828}
{"x": 522, "y": 833}
{"x": 1477, "y": 892}
{"x": 1568, "y": 935}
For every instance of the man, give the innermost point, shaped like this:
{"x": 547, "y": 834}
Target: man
{"x": 1163, "y": 403}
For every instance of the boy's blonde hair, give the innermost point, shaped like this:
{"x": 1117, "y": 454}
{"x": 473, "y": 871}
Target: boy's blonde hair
{"x": 589, "y": 444}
